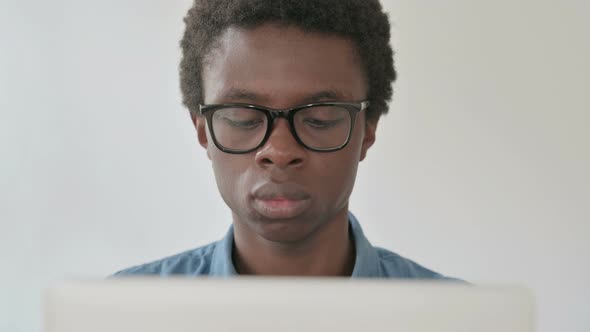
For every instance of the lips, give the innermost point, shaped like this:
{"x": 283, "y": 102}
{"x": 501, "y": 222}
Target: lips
{"x": 283, "y": 201}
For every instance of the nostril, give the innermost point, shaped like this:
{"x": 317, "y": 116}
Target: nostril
{"x": 269, "y": 162}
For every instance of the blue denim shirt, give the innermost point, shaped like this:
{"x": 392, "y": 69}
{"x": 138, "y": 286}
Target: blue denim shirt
{"x": 215, "y": 260}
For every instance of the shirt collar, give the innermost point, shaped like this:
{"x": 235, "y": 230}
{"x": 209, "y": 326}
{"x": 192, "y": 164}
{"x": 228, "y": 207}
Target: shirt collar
{"x": 366, "y": 264}
{"x": 366, "y": 260}
{"x": 222, "y": 262}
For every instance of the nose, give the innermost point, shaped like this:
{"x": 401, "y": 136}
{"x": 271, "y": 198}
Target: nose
{"x": 281, "y": 150}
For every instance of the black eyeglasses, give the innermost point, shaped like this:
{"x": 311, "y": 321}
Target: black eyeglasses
{"x": 242, "y": 128}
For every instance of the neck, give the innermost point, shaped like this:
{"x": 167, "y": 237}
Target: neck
{"x": 328, "y": 251}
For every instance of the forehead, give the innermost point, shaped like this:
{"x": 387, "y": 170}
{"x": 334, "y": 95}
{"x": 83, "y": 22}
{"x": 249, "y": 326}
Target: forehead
{"x": 280, "y": 66}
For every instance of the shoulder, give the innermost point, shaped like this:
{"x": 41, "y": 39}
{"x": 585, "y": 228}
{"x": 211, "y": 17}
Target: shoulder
{"x": 191, "y": 262}
{"x": 393, "y": 265}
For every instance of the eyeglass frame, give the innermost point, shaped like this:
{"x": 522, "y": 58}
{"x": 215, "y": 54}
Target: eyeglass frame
{"x": 353, "y": 109}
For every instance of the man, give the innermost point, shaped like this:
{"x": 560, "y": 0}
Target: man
{"x": 285, "y": 96}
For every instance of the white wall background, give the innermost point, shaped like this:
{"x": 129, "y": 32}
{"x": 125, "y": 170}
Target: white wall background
{"x": 480, "y": 170}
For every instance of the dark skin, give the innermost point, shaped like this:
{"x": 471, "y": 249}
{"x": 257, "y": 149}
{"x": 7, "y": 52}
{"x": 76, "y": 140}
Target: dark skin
{"x": 282, "y": 67}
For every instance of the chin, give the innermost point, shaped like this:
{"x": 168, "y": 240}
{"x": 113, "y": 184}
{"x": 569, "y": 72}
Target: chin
{"x": 286, "y": 231}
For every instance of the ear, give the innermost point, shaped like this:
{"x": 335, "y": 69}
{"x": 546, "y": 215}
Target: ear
{"x": 369, "y": 137}
{"x": 200, "y": 123}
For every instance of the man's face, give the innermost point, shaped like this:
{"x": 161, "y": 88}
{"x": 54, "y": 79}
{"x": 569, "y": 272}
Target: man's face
{"x": 282, "y": 191}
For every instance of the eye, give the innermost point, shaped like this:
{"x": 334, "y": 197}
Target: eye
{"x": 243, "y": 124}
{"x": 322, "y": 124}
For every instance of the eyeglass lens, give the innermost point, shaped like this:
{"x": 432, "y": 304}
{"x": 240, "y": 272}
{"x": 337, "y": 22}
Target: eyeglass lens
{"x": 319, "y": 127}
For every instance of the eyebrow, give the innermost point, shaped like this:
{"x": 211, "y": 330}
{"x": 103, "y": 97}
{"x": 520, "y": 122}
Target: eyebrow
{"x": 243, "y": 94}
{"x": 325, "y": 95}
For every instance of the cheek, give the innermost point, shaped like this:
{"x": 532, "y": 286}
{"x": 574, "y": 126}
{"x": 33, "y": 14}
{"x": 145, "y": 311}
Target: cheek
{"x": 345, "y": 175}
{"x": 226, "y": 171}
{"x": 336, "y": 178}
{"x": 231, "y": 176}
{"x": 342, "y": 166}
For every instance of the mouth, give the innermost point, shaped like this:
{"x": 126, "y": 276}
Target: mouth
{"x": 280, "y": 208}
{"x": 280, "y": 201}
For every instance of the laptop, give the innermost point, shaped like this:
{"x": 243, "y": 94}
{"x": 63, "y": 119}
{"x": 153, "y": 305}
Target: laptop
{"x": 283, "y": 304}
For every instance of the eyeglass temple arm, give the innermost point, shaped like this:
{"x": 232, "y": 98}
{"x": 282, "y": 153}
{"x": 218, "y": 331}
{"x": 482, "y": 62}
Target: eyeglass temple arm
{"x": 364, "y": 105}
